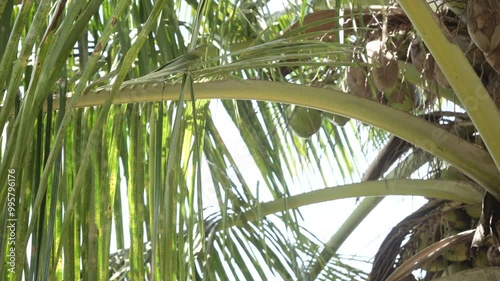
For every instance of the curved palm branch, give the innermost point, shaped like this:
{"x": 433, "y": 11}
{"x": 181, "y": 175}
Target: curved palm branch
{"x": 122, "y": 142}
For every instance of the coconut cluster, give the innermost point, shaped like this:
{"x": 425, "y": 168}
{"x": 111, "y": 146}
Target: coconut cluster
{"x": 379, "y": 79}
{"x": 474, "y": 26}
{"x": 453, "y": 219}
{"x": 450, "y": 219}
{"x": 483, "y": 25}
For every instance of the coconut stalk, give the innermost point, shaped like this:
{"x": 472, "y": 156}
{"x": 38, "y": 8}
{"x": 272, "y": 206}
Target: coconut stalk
{"x": 459, "y": 73}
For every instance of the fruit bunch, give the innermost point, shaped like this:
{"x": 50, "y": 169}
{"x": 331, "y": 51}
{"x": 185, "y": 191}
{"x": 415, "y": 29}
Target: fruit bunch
{"x": 452, "y": 218}
{"x": 483, "y": 24}
{"x": 449, "y": 219}
{"x": 473, "y": 25}
{"x": 380, "y": 81}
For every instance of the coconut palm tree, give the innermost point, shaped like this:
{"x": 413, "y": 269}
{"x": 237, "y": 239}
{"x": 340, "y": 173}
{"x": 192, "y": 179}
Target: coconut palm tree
{"x": 112, "y": 136}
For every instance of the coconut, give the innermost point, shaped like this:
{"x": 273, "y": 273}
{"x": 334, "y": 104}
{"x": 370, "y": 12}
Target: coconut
{"x": 493, "y": 84}
{"x": 483, "y": 24}
{"x": 305, "y": 122}
{"x": 460, "y": 252}
{"x": 385, "y": 74}
{"x": 493, "y": 59}
{"x": 456, "y": 219}
{"x": 473, "y": 210}
{"x": 450, "y": 173}
{"x": 402, "y": 96}
{"x": 493, "y": 87}
{"x": 456, "y": 267}
{"x": 481, "y": 258}
{"x": 425, "y": 238}
{"x": 456, "y": 6}
{"x": 475, "y": 55}
{"x": 493, "y": 255}
{"x": 357, "y": 82}
{"x": 425, "y": 64}
{"x": 421, "y": 59}
{"x": 337, "y": 120}
{"x": 436, "y": 265}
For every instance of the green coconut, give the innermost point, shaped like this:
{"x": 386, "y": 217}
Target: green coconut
{"x": 456, "y": 219}
{"x": 385, "y": 72}
{"x": 457, "y": 6}
{"x": 402, "y": 96}
{"x": 450, "y": 173}
{"x": 460, "y": 252}
{"x": 357, "y": 83}
{"x": 424, "y": 240}
{"x": 475, "y": 55}
{"x": 473, "y": 210}
{"x": 421, "y": 59}
{"x": 456, "y": 267}
{"x": 337, "y": 120}
{"x": 304, "y": 122}
{"x": 436, "y": 265}
{"x": 481, "y": 258}
{"x": 493, "y": 58}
